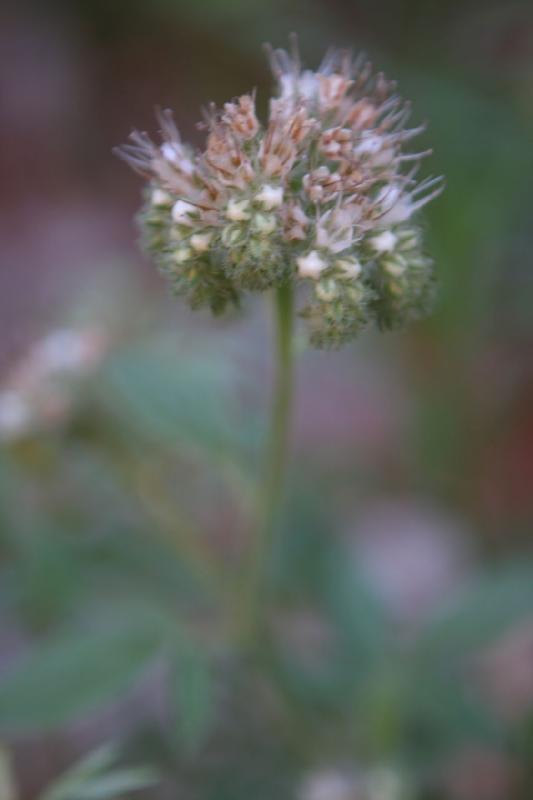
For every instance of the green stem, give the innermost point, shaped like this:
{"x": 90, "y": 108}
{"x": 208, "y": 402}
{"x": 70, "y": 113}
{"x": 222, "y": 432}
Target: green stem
{"x": 278, "y": 442}
{"x": 271, "y": 494}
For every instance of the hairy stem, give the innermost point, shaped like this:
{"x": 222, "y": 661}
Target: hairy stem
{"x": 271, "y": 493}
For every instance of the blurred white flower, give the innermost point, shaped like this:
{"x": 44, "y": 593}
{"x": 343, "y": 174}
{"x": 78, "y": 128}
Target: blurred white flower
{"x": 37, "y": 391}
{"x": 15, "y": 415}
{"x": 413, "y": 555}
{"x": 377, "y": 783}
{"x": 330, "y": 785}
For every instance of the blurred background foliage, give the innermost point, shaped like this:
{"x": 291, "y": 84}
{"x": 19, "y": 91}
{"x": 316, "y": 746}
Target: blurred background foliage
{"x": 400, "y": 660}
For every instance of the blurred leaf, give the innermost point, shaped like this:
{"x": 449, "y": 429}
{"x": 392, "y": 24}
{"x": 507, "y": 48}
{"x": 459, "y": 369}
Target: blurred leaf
{"x": 480, "y": 206}
{"x": 93, "y": 779}
{"x": 354, "y": 607}
{"x": 480, "y": 613}
{"x": 177, "y": 399}
{"x": 134, "y": 563}
{"x": 62, "y": 678}
{"x": 443, "y": 706}
{"x": 90, "y": 766}
{"x": 443, "y": 712}
{"x": 313, "y": 573}
{"x": 191, "y": 695}
{"x": 48, "y": 575}
{"x": 300, "y": 550}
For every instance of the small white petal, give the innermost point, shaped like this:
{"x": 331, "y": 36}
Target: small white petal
{"x": 308, "y": 85}
{"x": 174, "y": 153}
{"x": 389, "y": 195}
{"x": 322, "y": 236}
{"x": 311, "y": 265}
{"x": 161, "y": 198}
{"x": 200, "y": 242}
{"x": 236, "y": 210}
{"x": 186, "y": 165}
{"x": 168, "y": 151}
{"x": 370, "y": 144}
{"x": 400, "y": 212}
{"x": 396, "y": 204}
{"x": 384, "y": 157}
{"x": 270, "y": 196}
{"x": 182, "y": 210}
{"x": 304, "y": 86}
{"x": 384, "y": 242}
{"x": 182, "y": 254}
{"x": 341, "y": 244}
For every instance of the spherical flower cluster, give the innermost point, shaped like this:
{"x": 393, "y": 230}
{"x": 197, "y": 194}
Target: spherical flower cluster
{"x": 323, "y": 195}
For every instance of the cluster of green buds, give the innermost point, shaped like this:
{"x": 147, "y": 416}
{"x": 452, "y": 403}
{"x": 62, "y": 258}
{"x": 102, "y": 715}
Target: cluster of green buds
{"x": 322, "y": 195}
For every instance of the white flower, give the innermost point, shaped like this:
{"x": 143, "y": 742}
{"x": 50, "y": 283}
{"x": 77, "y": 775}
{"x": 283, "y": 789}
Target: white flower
{"x": 181, "y": 212}
{"x": 236, "y": 210}
{"x": 173, "y": 152}
{"x": 329, "y": 785}
{"x": 383, "y": 158}
{"x": 399, "y": 212}
{"x": 168, "y": 151}
{"x": 200, "y": 242}
{"x": 311, "y": 265}
{"x": 332, "y": 90}
{"x": 396, "y": 204}
{"x": 182, "y": 254}
{"x": 370, "y": 144}
{"x": 334, "y": 230}
{"x": 15, "y": 415}
{"x": 375, "y": 148}
{"x": 161, "y": 198}
{"x": 384, "y": 242}
{"x": 63, "y": 350}
{"x": 304, "y": 86}
{"x": 270, "y": 196}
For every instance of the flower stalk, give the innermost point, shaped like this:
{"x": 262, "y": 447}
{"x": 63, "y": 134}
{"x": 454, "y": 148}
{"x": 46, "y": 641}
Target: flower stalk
{"x": 271, "y": 493}
{"x": 318, "y": 201}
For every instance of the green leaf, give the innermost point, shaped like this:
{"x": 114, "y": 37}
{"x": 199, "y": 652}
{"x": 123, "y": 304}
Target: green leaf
{"x": 176, "y": 398}
{"x": 498, "y": 599}
{"x": 355, "y": 609}
{"x": 70, "y": 675}
{"x": 191, "y": 695}
{"x": 442, "y": 703}
{"x": 93, "y": 779}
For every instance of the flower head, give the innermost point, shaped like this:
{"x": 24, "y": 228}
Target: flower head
{"x": 323, "y": 194}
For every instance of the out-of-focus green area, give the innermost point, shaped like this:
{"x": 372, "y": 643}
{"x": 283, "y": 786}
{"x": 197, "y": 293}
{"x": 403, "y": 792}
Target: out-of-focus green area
{"x": 400, "y": 660}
